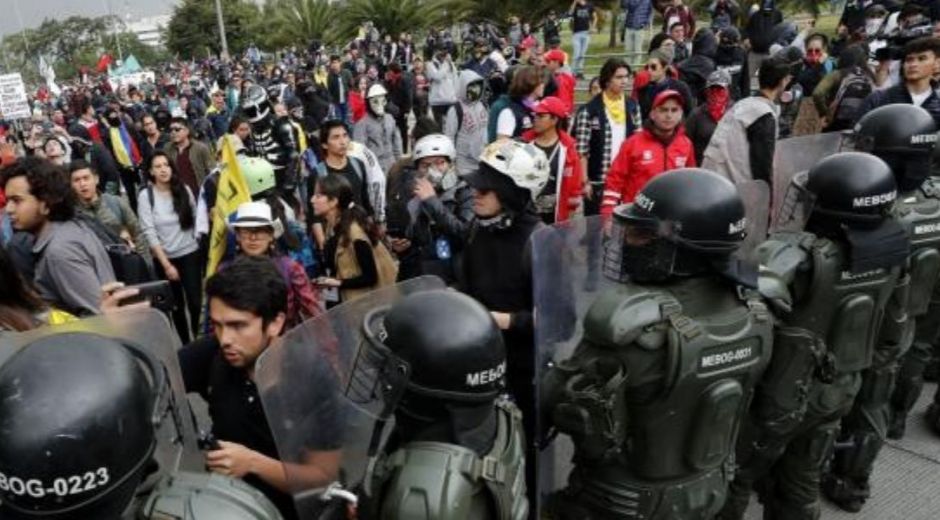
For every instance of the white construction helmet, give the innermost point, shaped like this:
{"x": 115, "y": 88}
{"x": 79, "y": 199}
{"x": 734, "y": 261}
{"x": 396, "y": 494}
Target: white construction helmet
{"x": 376, "y": 91}
{"x": 434, "y": 145}
{"x": 524, "y": 163}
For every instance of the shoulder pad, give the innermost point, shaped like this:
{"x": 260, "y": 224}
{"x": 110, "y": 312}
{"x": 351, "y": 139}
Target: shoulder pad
{"x": 196, "y": 493}
{"x": 781, "y": 257}
{"x": 625, "y": 315}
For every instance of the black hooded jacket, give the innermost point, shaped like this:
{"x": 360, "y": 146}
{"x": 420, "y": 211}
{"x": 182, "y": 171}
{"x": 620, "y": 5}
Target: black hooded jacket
{"x": 695, "y": 70}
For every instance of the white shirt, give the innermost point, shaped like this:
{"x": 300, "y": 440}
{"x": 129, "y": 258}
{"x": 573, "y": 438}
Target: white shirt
{"x": 920, "y": 98}
{"x": 618, "y": 134}
{"x": 506, "y": 122}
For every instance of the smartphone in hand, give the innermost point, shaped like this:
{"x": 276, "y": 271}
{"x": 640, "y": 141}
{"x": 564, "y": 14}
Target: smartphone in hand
{"x": 158, "y": 293}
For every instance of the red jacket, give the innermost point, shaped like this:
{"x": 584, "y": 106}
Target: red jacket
{"x": 642, "y": 157}
{"x": 357, "y": 106}
{"x": 568, "y": 184}
{"x": 566, "y": 84}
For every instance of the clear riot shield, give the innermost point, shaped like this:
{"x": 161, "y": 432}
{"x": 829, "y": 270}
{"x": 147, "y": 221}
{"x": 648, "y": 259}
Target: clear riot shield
{"x": 149, "y": 332}
{"x": 756, "y": 198}
{"x": 324, "y": 393}
{"x": 561, "y": 270}
{"x": 798, "y": 154}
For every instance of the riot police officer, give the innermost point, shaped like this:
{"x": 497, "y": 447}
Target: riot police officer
{"x": 91, "y": 424}
{"x": 837, "y": 290}
{"x": 904, "y": 137}
{"x": 654, "y": 391}
{"x": 457, "y": 443}
{"x": 272, "y": 138}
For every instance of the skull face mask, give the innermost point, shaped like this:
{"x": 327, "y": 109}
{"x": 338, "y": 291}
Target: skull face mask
{"x": 474, "y": 91}
{"x": 377, "y": 105}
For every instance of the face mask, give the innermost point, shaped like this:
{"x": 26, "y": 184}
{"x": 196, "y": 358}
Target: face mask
{"x": 377, "y": 104}
{"x": 474, "y": 91}
{"x": 872, "y": 25}
{"x": 114, "y": 121}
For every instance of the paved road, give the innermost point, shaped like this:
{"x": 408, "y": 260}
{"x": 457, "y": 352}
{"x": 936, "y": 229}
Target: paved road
{"x": 906, "y": 482}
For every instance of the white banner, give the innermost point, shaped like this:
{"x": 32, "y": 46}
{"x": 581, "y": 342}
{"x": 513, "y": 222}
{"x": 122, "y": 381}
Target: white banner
{"x": 13, "y": 101}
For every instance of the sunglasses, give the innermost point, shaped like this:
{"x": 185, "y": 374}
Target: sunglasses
{"x": 813, "y": 51}
{"x": 177, "y": 128}
{"x": 652, "y": 66}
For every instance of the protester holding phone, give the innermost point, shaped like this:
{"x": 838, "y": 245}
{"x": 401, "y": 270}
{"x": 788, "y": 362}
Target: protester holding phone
{"x": 167, "y": 219}
{"x": 352, "y": 251}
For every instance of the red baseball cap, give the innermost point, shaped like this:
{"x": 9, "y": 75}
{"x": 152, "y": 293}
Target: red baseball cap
{"x": 555, "y": 55}
{"x": 666, "y": 95}
{"x": 551, "y": 105}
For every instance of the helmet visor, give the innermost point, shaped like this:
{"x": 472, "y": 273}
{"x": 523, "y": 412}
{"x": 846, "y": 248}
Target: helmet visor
{"x": 378, "y": 375}
{"x": 637, "y": 250}
{"x": 797, "y": 205}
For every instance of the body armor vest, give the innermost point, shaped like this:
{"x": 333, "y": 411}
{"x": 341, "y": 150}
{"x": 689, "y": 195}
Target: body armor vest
{"x": 206, "y": 496}
{"x": 653, "y": 396}
{"x": 920, "y": 212}
{"x": 440, "y": 481}
{"x": 843, "y": 310}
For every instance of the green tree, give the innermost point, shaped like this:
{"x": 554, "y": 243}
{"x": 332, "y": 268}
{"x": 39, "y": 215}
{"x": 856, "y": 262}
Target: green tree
{"x": 71, "y": 43}
{"x": 193, "y": 30}
{"x": 396, "y": 16}
{"x": 297, "y": 22}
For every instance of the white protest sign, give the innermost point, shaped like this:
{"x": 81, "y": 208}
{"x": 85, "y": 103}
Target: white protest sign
{"x": 13, "y": 101}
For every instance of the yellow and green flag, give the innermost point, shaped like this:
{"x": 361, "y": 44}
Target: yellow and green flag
{"x": 232, "y": 191}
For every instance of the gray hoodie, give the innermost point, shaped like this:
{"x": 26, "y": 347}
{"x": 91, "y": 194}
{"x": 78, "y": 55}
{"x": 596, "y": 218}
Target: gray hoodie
{"x": 443, "y": 77}
{"x": 470, "y": 138}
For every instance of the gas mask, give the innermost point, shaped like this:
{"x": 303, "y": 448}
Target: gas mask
{"x": 444, "y": 179}
{"x": 377, "y": 105}
{"x": 475, "y": 91}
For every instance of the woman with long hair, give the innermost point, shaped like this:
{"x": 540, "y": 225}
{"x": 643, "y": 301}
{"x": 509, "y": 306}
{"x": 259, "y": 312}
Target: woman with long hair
{"x": 167, "y": 219}
{"x": 355, "y": 259}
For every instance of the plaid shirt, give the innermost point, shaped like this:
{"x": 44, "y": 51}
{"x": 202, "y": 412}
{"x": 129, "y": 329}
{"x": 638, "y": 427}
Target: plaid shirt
{"x": 589, "y": 122}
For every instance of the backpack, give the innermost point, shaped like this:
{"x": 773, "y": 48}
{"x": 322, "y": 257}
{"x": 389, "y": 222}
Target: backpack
{"x": 854, "y": 88}
{"x": 128, "y": 265}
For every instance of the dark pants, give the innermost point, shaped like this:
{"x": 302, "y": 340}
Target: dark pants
{"x": 440, "y": 111}
{"x": 402, "y": 122}
{"x": 187, "y": 292}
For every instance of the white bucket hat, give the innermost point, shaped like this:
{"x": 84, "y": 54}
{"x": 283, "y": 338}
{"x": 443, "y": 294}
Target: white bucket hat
{"x": 255, "y": 215}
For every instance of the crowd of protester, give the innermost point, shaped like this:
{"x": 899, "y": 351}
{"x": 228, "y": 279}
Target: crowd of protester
{"x": 389, "y": 136}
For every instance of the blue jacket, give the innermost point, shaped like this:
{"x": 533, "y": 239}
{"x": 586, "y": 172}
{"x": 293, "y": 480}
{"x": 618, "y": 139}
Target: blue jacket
{"x": 638, "y": 13}
{"x": 899, "y": 94}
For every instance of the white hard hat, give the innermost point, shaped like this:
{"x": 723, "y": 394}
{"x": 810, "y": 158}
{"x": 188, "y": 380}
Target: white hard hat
{"x": 524, "y": 163}
{"x": 434, "y": 145}
{"x": 376, "y": 91}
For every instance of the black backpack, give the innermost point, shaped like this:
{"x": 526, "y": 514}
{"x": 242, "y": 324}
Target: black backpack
{"x": 854, "y": 88}
{"x": 129, "y": 267}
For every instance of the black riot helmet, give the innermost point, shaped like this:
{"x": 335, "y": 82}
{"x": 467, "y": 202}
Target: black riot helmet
{"x": 77, "y": 421}
{"x": 903, "y": 136}
{"x": 852, "y": 189}
{"x": 681, "y": 223}
{"x": 442, "y": 364}
{"x": 255, "y": 104}
{"x": 449, "y": 341}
